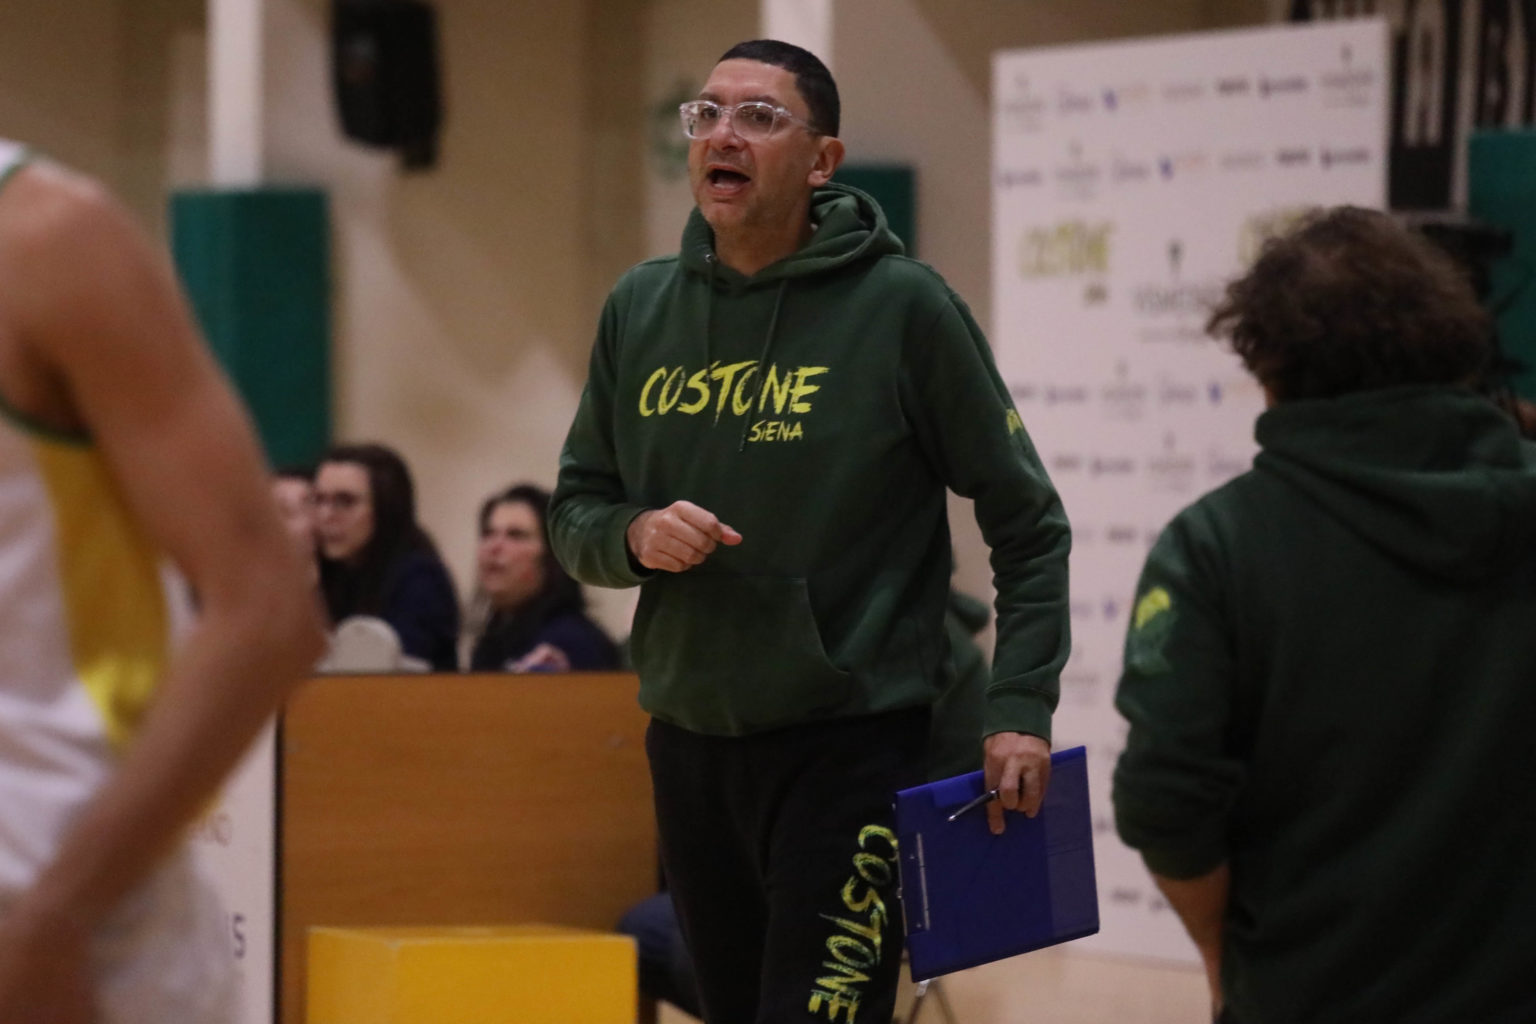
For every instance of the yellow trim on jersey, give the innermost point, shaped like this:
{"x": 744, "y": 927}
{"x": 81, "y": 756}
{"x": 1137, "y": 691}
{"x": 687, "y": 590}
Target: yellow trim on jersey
{"x": 113, "y": 596}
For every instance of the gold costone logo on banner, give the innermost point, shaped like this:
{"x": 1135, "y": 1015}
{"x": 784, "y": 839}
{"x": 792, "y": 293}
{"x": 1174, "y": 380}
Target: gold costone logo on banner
{"x": 1072, "y": 248}
{"x": 1260, "y": 227}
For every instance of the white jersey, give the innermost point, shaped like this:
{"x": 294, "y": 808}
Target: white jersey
{"x": 85, "y": 636}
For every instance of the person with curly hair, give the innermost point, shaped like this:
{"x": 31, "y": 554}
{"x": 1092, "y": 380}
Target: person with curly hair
{"x": 1328, "y": 669}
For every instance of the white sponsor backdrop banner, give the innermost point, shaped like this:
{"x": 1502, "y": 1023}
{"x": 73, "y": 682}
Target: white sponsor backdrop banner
{"x": 235, "y": 844}
{"x": 1131, "y": 181}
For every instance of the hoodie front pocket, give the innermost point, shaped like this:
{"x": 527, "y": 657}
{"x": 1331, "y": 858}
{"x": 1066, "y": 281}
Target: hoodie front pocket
{"x": 728, "y": 654}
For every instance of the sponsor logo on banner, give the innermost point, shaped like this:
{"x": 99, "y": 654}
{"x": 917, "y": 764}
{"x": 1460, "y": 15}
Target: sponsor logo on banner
{"x": 1123, "y": 170}
{"x": 1111, "y": 609}
{"x": 1242, "y": 160}
{"x": 1111, "y": 466}
{"x": 1282, "y": 85}
{"x": 1178, "y": 166}
{"x": 1258, "y": 228}
{"x": 1020, "y": 177}
{"x": 216, "y": 827}
{"x": 1183, "y": 92}
{"x": 1025, "y": 392}
{"x": 1347, "y": 85}
{"x": 1063, "y": 463}
{"x": 1234, "y": 85}
{"x": 1222, "y": 465}
{"x": 1080, "y": 685}
{"x": 1171, "y": 469}
{"x": 1175, "y": 297}
{"x": 1238, "y": 387}
{"x": 1123, "y": 398}
{"x": 1023, "y": 109}
{"x": 1127, "y": 97}
{"x": 1071, "y": 248}
{"x": 1066, "y": 394}
{"x": 1173, "y": 394}
{"x": 1343, "y": 156}
{"x": 1293, "y": 156}
{"x": 1121, "y": 534}
{"x": 1077, "y": 178}
{"x": 1080, "y": 682}
{"x": 1070, "y": 102}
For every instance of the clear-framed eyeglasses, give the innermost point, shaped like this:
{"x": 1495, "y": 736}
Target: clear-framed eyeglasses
{"x": 753, "y": 120}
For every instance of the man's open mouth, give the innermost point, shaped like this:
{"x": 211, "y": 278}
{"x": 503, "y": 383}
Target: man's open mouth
{"x": 723, "y": 176}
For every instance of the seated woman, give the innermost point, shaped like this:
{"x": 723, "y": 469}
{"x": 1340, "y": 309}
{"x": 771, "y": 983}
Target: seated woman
{"x": 532, "y": 611}
{"x": 375, "y": 559}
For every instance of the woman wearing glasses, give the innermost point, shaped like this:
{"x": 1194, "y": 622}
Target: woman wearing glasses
{"x": 375, "y": 559}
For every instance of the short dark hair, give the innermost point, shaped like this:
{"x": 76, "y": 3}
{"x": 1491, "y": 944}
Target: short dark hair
{"x": 812, "y": 78}
{"x": 1350, "y": 300}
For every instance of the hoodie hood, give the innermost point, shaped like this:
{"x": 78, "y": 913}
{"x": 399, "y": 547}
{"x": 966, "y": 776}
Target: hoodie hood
{"x": 1439, "y": 479}
{"x": 850, "y": 227}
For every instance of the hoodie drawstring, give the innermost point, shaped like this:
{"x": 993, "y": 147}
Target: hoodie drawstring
{"x": 709, "y": 309}
{"x": 762, "y": 360}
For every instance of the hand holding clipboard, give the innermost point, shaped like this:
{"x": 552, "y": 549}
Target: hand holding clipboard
{"x": 971, "y": 897}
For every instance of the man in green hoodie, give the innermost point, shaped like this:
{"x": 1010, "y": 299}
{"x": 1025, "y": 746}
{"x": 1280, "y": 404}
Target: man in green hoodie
{"x": 1328, "y": 676}
{"x": 763, "y": 446}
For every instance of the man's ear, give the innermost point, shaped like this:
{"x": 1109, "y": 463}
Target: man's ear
{"x": 829, "y": 157}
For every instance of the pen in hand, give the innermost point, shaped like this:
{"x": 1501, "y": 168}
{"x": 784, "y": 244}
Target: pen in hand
{"x": 990, "y": 794}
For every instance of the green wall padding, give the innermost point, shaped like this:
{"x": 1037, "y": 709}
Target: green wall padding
{"x": 256, "y": 263}
{"x": 894, "y": 187}
{"x": 1501, "y": 189}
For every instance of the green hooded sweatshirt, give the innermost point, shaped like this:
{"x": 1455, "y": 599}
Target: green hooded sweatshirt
{"x": 819, "y": 407}
{"x": 1330, "y": 679}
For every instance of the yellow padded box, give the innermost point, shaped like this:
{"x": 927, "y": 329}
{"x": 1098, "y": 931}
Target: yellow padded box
{"x": 520, "y": 974}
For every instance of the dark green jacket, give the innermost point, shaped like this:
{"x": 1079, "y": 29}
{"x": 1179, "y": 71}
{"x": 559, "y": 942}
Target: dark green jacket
{"x": 820, "y": 407}
{"x": 1330, "y": 681}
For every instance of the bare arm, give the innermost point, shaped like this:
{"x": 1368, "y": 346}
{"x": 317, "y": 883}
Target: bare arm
{"x": 1201, "y": 904}
{"x": 92, "y": 302}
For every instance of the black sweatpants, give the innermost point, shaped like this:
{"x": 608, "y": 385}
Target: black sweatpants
{"x": 780, "y": 853}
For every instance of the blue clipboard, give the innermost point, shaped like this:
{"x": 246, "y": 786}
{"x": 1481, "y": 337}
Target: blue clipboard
{"x": 969, "y": 897}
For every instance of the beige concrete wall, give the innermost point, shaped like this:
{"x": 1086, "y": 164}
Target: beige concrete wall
{"x": 105, "y": 86}
{"x": 60, "y": 67}
{"x": 161, "y": 102}
{"x": 683, "y": 39}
